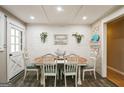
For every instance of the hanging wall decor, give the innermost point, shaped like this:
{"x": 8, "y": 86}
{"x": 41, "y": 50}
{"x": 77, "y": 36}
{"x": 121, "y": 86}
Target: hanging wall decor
{"x": 95, "y": 41}
{"x": 95, "y": 38}
{"x": 61, "y": 39}
{"x": 43, "y": 36}
{"x": 78, "y": 37}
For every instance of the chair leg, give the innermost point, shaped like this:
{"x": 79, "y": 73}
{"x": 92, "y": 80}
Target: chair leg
{"x": 61, "y": 75}
{"x": 44, "y": 84}
{"x": 83, "y": 75}
{"x": 65, "y": 81}
{"x": 94, "y": 74}
{"x": 55, "y": 82}
{"x": 41, "y": 80}
{"x": 72, "y": 77}
{"x": 42, "y": 77}
{"x": 57, "y": 77}
{"x": 90, "y": 73}
{"x": 57, "y": 74}
{"x": 37, "y": 75}
{"x": 25, "y": 73}
{"x": 76, "y": 80}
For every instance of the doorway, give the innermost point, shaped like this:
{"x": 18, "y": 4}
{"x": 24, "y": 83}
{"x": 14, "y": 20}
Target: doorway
{"x": 115, "y": 51}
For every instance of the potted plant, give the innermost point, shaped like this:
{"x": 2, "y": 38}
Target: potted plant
{"x": 78, "y": 37}
{"x": 43, "y": 36}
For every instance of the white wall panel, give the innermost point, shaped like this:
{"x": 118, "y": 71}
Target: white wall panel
{"x": 36, "y": 48}
{"x": 2, "y": 31}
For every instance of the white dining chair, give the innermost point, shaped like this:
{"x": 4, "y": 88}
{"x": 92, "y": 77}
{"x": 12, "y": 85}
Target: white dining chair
{"x": 91, "y": 65}
{"x": 70, "y": 67}
{"x": 29, "y": 67}
{"x": 49, "y": 67}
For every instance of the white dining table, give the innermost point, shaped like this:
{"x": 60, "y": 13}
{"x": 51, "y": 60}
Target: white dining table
{"x": 82, "y": 62}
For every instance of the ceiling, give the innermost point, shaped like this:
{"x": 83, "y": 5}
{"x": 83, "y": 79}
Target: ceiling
{"x": 48, "y": 14}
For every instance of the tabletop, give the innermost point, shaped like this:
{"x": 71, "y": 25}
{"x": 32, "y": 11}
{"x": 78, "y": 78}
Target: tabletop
{"x": 81, "y": 60}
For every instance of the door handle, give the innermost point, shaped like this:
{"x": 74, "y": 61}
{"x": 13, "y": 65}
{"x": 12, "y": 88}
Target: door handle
{"x": 10, "y": 54}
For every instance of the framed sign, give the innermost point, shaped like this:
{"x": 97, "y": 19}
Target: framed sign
{"x": 60, "y": 39}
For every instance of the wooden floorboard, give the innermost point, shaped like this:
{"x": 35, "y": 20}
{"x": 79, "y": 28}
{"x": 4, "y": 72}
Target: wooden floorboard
{"x": 115, "y": 77}
{"x": 31, "y": 81}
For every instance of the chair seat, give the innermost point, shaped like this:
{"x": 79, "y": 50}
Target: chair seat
{"x": 70, "y": 73}
{"x": 88, "y": 67}
{"x": 50, "y": 74}
{"x": 31, "y": 66}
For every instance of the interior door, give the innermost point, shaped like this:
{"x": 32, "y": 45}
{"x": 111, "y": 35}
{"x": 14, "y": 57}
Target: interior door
{"x": 15, "y": 62}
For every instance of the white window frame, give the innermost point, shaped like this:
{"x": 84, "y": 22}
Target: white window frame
{"x": 20, "y": 37}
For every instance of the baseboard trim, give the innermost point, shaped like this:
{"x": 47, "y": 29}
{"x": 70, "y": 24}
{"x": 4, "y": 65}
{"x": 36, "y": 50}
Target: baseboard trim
{"x": 111, "y": 68}
{"x": 16, "y": 76}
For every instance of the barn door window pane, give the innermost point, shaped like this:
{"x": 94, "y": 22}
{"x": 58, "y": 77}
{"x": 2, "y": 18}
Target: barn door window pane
{"x": 16, "y": 40}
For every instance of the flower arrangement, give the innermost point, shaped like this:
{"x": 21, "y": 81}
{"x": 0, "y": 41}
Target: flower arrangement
{"x": 78, "y": 37}
{"x": 43, "y": 36}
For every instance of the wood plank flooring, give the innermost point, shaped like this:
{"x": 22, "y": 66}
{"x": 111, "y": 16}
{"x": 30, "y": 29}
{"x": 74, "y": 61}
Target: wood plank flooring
{"x": 115, "y": 77}
{"x": 31, "y": 81}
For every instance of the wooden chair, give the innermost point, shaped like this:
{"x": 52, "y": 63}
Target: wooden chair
{"x": 49, "y": 67}
{"x": 29, "y": 66}
{"x": 70, "y": 67}
{"x": 91, "y": 65}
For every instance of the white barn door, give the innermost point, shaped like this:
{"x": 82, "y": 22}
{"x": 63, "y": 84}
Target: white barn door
{"x": 15, "y": 44}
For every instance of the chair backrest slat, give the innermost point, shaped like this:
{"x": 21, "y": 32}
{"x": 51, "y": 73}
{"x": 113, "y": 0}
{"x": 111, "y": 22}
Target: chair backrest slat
{"x": 71, "y": 65}
{"x": 49, "y": 64}
{"x": 93, "y": 59}
{"x": 25, "y": 59}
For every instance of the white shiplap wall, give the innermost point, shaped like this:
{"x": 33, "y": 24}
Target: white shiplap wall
{"x": 36, "y": 48}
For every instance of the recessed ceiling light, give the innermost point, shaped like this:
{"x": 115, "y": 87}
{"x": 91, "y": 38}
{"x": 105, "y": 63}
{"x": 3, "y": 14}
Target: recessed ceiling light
{"x": 84, "y": 17}
{"x": 59, "y": 9}
{"x": 32, "y": 17}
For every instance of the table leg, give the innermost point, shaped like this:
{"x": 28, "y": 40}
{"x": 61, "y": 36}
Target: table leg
{"x": 58, "y": 71}
{"x": 42, "y": 77}
{"x": 79, "y": 75}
